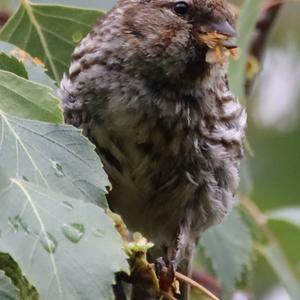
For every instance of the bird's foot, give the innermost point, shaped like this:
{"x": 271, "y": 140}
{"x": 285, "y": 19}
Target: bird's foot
{"x": 165, "y": 272}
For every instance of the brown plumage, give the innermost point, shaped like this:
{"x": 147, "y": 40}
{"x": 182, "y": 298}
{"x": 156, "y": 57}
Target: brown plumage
{"x": 162, "y": 117}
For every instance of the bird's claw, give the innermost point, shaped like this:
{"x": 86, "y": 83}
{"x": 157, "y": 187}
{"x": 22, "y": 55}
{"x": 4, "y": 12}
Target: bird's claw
{"x": 165, "y": 272}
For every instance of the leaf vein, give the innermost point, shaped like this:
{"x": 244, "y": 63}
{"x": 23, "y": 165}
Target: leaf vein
{"x": 16, "y": 26}
{"x": 58, "y": 36}
{"x": 24, "y": 148}
{"x": 37, "y": 12}
{"x": 43, "y": 229}
{"x": 54, "y": 142}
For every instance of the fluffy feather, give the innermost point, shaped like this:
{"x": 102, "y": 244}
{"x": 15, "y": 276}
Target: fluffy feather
{"x": 165, "y": 124}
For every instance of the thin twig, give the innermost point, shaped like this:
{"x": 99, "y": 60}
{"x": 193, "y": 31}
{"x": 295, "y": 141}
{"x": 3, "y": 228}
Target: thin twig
{"x": 195, "y": 285}
{"x": 261, "y": 34}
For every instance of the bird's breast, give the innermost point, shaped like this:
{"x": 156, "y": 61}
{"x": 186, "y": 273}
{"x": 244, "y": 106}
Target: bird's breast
{"x": 170, "y": 157}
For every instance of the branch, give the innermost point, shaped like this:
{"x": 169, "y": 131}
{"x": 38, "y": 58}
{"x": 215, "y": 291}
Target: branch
{"x": 261, "y": 35}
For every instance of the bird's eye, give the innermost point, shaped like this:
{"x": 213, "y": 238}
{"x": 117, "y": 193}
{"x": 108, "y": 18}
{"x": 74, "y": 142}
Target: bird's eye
{"x": 181, "y": 7}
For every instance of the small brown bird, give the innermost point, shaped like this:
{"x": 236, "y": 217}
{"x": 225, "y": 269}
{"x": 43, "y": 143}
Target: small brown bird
{"x": 148, "y": 85}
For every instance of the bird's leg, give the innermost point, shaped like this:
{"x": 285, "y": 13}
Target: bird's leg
{"x": 185, "y": 268}
{"x": 180, "y": 253}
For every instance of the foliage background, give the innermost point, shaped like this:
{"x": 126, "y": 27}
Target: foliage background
{"x": 271, "y": 176}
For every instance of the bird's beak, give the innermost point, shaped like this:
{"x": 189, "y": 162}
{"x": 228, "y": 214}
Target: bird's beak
{"x": 222, "y": 30}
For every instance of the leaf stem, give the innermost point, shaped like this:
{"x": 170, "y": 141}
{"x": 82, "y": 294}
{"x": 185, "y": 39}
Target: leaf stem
{"x": 27, "y": 6}
{"x": 195, "y": 285}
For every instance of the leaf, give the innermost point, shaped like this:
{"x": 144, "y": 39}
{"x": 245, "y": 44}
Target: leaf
{"x": 229, "y": 247}
{"x": 246, "y": 25}
{"x": 49, "y": 32}
{"x": 23, "y": 98}
{"x": 54, "y": 156}
{"x": 12, "y": 270}
{"x": 67, "y": 248}
{"x": 280, "y": 265}
{"x": 286, "y": 214}
{"x": 7, "y": 289}
{"x": 37, "y": 73}
{"x": 11, "y": 64}
{"x": 34, "y": 69}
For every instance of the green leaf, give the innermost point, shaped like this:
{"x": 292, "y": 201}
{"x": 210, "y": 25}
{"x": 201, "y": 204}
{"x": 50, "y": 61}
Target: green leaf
{"x": 49, "y": 32}
{"x": 54, "y": 156}
{"x": 11, "y": 64}
{"x": 67, "y": 248}
{"x": 35, "y": 71}
{"x": 13, "y": 271}
{"x": 246, "y": 25}
{"x": 229, "y": 247}
{"x": 280, "y": 265}
{"x": 38, "y": 74}
{"x": 7, "y": 289}
{"x": 290, "y": 215}
{"x": 23, "y": 98}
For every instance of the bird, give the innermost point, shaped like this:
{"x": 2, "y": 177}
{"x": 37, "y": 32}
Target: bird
{"x": 143, "y": 87}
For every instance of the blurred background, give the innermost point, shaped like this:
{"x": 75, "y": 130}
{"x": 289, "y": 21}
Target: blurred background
{"x": 271, "y": 173}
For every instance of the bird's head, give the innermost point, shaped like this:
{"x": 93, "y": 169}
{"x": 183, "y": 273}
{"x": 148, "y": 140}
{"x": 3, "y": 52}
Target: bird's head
{"x": 174, "y": 36}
